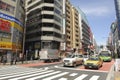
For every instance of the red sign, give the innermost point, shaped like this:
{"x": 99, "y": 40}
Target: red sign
{"x": 5, "y": 25}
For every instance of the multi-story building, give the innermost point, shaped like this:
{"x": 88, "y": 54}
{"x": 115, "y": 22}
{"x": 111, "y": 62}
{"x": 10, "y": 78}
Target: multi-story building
{"x": 114, "y": 33}
{"x": 68, "y": 25}
{"x": 11, "y": 26}
{"x": 85, "y": 32}
{"x": 117, "y": 7}
{"x": 44, "y": 24}
{"x": 72, "y": 31}
{"x": 75, "y": 28}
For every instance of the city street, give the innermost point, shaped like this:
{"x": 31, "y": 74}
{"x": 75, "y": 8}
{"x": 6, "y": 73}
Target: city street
{"x": 52, "y": 71}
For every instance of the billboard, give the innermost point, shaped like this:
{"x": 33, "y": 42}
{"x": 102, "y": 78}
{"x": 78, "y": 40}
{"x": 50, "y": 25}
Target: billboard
{"x": 11, "y": 31}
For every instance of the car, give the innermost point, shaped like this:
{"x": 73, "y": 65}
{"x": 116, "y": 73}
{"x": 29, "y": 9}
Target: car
{"x": 85, "y": 57}
{"x": 93, "y": 62}
{"x": 73, "y": 60}
{"x": 105, "y": 55}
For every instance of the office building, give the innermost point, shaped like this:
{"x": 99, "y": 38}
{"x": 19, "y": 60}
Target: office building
{"x": 11, "y": 26}
{"x": 44, "y": 25}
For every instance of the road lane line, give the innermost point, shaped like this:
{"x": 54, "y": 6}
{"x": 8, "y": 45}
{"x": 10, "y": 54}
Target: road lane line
{"x": 81, "y": 77}
{"x": 73, "y": 74}
{"x": 20, "y": 74}
{"x": 15, "y": 72}
{"x": 63, "y": 79}
{"x": 31, "y": 75}
{"x": 94, "y": 77}
{"x": 41, "y": 76}
{"x": 55, "y": 76}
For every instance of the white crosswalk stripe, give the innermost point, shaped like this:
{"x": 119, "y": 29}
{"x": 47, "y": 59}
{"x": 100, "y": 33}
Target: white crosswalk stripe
{"x": 81, "y": 77}
{"x": 23, "y": 73}
{"x": 95, "y": 77}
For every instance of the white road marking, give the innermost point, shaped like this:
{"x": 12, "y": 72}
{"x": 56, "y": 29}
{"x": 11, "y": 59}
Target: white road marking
{"x": 20, "y": 74}
{"x": 46, "y": 68}
{"x": 31, "y": 75}
{"x": 81, "y": 77}
{"x": 94, "y": 77}
{"x": 56, "y": 66}
{"x": 55, "y": 76}
{"x": 21, "y": 71}
{"x": 73, "y": 74}
{"x": 41, "y": 76}
{"x": 63, "y": 79}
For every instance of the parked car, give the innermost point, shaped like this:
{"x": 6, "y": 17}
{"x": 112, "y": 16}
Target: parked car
{"x": 105, "y": 55}
{"x": 73, "y": 60}
{"x": 93, "y": 62}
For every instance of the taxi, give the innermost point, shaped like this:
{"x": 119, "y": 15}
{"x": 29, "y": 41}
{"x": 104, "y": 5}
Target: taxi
{"x": 93, "y": 62}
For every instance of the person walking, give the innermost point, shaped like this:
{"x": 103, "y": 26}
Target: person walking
{"x": 12, "y": 59}
{"x": 4, "y": 59}
{"x": 21, "y": 58}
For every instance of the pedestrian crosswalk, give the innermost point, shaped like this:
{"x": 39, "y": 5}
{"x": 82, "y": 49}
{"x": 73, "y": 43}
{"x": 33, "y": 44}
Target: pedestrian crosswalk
{"x": 23, "y": 73}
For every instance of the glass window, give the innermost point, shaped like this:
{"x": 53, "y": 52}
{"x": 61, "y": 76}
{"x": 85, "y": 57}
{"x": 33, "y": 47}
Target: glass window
{"x": 6, "y": 7}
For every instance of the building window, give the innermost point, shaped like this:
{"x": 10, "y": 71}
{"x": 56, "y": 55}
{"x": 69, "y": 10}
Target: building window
{"x": 7, "y": 7}
{"x": 14, "y": 0}
{"x": 49, "y": 1}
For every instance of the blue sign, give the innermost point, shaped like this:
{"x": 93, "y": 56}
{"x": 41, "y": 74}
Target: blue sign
{"x": 7, "y": 17}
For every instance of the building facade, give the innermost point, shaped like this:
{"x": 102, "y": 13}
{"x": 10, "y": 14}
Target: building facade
{"x": 11, "y": 26}
{"x": 117, "y": 7}
{"x": 85, "y": 32}
{"x": 44, "y": 24}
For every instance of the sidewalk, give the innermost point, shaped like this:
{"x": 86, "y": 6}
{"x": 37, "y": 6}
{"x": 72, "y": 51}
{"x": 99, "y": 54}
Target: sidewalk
{"x": 117, "y": 75}
{"x": 20, "y": 63}
{"x": 30, "y": 63}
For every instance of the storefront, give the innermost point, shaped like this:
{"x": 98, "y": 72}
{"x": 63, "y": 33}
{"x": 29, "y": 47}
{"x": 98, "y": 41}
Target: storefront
{"x": 11, "y": 35}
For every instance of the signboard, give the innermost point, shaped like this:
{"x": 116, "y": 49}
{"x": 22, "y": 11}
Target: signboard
{"x": 5, "y": 45}
{"x": 5, "y": 26}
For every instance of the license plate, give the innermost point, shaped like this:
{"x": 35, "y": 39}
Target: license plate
{"x": 90, "y": 66}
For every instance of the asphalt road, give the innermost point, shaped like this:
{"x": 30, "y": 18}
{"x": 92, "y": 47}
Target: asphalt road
{"x": 52, "y": 71}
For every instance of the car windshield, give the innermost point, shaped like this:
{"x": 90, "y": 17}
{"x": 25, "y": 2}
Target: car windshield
{"x": 72, "y": 56}
{"x": 85, "y": 56}
{"x": 105, "y": 53}
{"x": 69, "y": 56}
{"x": 94, "y": 58}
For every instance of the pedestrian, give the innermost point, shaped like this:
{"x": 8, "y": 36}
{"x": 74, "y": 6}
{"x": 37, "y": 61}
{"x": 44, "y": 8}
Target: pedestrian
{"x": 15, "y": 59}
{"x": 21, "y": 57}
{"x": 4, "y": 59}
{"x": 12, "y": 59}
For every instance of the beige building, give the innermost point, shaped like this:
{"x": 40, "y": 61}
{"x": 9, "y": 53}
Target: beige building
{"x": 68, "y": 25}
{"x": 75, "y": 28}
{"x": 72, "y": 27}
{"x": 11, "y": 25}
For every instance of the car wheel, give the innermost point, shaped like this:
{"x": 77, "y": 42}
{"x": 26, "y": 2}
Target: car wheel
{"x": 85, "y": 67}
{"x": 74, "y": 64}
{"x": 98, "y": 67}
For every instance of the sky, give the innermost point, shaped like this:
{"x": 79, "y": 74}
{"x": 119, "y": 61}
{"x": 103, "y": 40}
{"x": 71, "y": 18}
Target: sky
{"x": 100, "y": 15}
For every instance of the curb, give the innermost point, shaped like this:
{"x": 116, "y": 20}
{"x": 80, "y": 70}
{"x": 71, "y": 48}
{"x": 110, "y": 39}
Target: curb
{"x": 20, "y": 63}
{"x": 110, "y": 75}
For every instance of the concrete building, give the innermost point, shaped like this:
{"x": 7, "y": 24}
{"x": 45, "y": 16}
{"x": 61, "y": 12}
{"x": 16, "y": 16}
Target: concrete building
{"x": 44, "y": 24}
{"x": 11, "y": 26}
{"x": 75, "y": 28}
{"x": 117, "y": 7}
{"x": 72, "y": 31}
{"x": 114, "y": 35}
{"x": 68, "y": 25}
{"x": 85, "y": 31}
